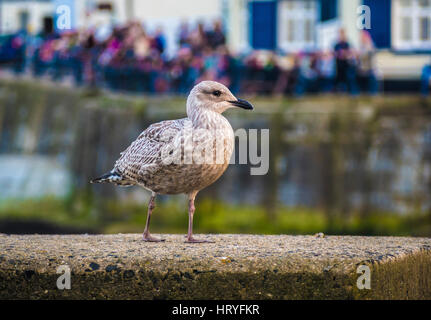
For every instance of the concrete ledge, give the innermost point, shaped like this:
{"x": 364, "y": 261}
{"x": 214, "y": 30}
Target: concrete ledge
{"x": 234, "y": 267}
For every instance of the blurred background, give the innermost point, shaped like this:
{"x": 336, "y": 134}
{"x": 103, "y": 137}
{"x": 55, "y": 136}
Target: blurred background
{"x": 343, "y": 89}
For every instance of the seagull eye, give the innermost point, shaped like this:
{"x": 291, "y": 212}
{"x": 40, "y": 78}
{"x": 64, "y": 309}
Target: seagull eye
{"x": 217, "y": 93}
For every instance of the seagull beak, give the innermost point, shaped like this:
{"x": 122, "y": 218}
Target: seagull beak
{"x": 242, "y": 104}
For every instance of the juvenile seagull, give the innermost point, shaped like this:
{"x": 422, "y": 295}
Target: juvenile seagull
{"x": 183, "y": 155}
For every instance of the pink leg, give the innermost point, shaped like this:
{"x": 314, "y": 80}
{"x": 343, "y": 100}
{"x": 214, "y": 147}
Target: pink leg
{"x": 147, "y": 236}
{"x": 190, "y": 238}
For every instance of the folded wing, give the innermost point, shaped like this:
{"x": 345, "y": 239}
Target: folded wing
{"x": 144, "y": 154}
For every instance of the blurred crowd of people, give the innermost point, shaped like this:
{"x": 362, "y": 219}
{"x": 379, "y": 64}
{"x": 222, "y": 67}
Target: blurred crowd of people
{"x": 343, "y": 69}
{"x": 131, "y": 58}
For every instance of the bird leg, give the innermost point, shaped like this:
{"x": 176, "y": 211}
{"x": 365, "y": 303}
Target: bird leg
{"x": 190, "y": 238}
{"x": 147, "y": 236}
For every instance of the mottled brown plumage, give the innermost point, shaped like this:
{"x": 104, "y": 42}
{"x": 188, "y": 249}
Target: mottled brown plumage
{"x": 183, "y": 155}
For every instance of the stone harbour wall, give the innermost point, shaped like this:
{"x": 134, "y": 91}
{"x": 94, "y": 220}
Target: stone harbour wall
{"x": 122, "y": 266}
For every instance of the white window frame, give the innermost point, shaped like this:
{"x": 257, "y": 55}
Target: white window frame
{"x": 299, "y": 14}
{"x": 414, "y": 12}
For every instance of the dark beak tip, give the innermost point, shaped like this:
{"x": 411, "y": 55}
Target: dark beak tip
{"x": 242, "y": 104}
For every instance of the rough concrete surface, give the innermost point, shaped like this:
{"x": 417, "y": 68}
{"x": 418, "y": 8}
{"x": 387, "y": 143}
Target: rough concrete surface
{"x": 122, "y": 266}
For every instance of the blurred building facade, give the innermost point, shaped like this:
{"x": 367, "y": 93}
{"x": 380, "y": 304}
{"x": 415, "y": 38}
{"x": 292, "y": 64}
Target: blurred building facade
{"x": 400, "y": 29}
{"x": 31, "y": 15}
{"x": 37, "y": 15}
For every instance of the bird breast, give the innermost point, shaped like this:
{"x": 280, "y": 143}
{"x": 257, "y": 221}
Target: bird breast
{"x": 194, "y": 158}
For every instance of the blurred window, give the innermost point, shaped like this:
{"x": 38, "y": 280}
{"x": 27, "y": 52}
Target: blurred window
{"x": 405, "y": 3}
{"x": 425, "y": 28}
{"x": 296, "y": 24}
{"x": 48, "y": 25}
{"x": 290, "y": 30}
{"x": 23, "y": 20}
{"x": 328, "y": 10}
{"x": 406, "y": 28}
{"x": 424, "y": 3}
{"x": 262, "y": 24}
{"x": 412, "y": 24}
{"x": 104, "y": 6}
{"x": 308, "y": 30}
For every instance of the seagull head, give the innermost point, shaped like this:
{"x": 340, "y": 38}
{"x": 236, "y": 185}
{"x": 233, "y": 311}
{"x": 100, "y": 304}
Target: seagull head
{"x": 213, "y": 96}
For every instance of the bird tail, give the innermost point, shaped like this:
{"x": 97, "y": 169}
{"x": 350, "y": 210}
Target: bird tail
{"x": 112, "y": 177}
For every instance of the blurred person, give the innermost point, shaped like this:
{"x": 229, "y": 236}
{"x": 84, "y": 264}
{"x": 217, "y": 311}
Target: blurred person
{"x": 366, "y": 68}
{"x": 183, "y": 34}
{"x": 198, "y": 38}
{"x": 209, "y": 74}
{"x": 326, "y": 71}
{"x": 183, "y": 71}
{"x": 44, "y": 56}
{"x": 235, "y": 70}
{"x": 75, "y": 52}
{"x": 89, "y": 58}
{"x": 141, "y": 46}
{"x": 288, "y": 76}
{"x": 210, "y": 64}
{"x": 426, "y": 80}
{"x": 271, "y": 73}
{"x": 216, "y": 36}
{"x": 342, "y": 55}
{"x": 307, "y": 78}
{"x": 209, "y": 58}
{"x": 159, "y": 78}
{"x": 159, "y": 40}
{"x": 352, "y": 72}
{"x": 19, "y": 46}
{"x": 61, "y": 56}
{"x": 286, "y": 64}
{"x": 253, "y": 72}
{"x": 294, "y": 74}
{"x": 261, "y": 72}
{"x": 223, "y": 65}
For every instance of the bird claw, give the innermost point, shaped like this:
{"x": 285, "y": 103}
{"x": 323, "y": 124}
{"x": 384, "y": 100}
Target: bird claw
{"x": 149, "y": 238}
{"x": 194, "y": 240}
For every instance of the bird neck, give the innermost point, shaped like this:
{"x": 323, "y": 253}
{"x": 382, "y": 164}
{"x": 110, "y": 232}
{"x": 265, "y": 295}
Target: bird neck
{"x": 207, "y": 119}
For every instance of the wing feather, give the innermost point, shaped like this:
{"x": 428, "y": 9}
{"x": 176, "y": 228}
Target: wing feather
{"x": 144, "y": 154}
